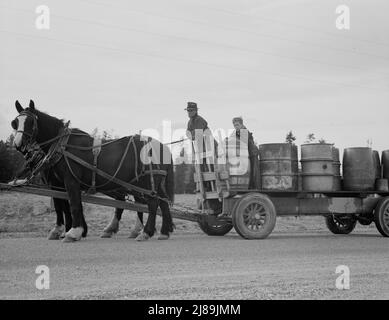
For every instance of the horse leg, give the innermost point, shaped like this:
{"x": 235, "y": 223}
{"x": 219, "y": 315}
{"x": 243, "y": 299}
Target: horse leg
{"x": 84, "y": 226}
{"x": 67, "y": 214}
{"x": 56, "y": 232}
{"x": 139, "y": 221}
{"x": 138, "y": 226}
{"x": 74, "y": 193}
{"x": 113, "y": 225}
{"x": 149, "y": 229}
{"x": 167, "y": 222}
{"x": 140, "y": 217}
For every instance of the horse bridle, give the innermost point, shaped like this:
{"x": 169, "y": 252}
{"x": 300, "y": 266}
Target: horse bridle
{"x": 34, "y": 132}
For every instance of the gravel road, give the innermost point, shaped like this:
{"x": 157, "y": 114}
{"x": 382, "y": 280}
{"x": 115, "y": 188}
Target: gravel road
{"x": 196, "y": 266}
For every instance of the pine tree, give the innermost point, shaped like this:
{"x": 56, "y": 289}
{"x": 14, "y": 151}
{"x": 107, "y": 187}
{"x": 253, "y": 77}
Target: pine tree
{"x": 310, "y": 138}
{"x": 290, "y": 138}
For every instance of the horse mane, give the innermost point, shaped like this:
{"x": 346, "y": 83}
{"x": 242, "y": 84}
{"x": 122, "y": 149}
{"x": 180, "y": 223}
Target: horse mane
{"x": 49, "y": 125}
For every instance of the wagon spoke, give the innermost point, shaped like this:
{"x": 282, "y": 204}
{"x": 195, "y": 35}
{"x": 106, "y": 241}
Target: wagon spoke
{"x": 260, "y": 208}
{"x": 386, "y": 219}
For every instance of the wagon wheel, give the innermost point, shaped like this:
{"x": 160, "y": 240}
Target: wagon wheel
{"x": 212, "y": 226}
{"x": 254, "y": 216}
{"x": 381, "y": 216}
{"x": 340, "y": 224}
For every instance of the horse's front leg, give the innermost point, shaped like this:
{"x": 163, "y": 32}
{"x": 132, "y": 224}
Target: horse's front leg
{"x": 167, "y": 221}
{"x": 74, "y": 193}
{"x": 59, "y": 228}
{"x": 113, "y": 225}
{"x": 68, "y": 215}
{"x": 138, "y": 226}
{"x": 149, "y": 228}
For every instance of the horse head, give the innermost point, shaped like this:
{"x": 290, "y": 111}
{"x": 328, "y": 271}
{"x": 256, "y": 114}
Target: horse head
{"x": 34, "y": 127}
{"x": 25, "y": 125}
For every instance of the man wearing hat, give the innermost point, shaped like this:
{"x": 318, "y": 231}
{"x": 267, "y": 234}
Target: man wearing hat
{"x": 201, "y": 135}
{"x": 195, "y": 122}
{"x": 252, "y": 150}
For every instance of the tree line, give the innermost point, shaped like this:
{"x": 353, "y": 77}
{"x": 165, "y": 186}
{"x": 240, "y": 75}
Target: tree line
{"x": 11, "y": 161}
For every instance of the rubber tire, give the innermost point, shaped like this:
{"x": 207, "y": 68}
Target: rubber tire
{"x": 379, "y": 212}
{"x": 238, "y": 220}
{"x": 367, "y": 222}
{"x": 214, "y": 227}
{"x": 335, "y": 229}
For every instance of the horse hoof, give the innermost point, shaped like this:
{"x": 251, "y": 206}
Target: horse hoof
{"x": 53, "y": 236}
{"x": 74, "y": 234}
{"x": 109, "y": 232}
{"x": 69, "y": 239}
{"x": 106, "y": 234}
{"x": 142, "y": 237}
{"x": 134, "y": 234}
{"x": 55, "y": 233}
{"x": 163, "y": 237}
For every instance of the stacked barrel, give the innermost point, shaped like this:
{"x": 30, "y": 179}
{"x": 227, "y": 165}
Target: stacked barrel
{"x": 320, "y": 169}
{"x": 337, "y": 185}
{"x": 238, "y": 163}
{"x": 361, "y": 168}
{"x": 278, "y": 166}
{"x": 385, "y": 164}
{"x": 317, "y": 167}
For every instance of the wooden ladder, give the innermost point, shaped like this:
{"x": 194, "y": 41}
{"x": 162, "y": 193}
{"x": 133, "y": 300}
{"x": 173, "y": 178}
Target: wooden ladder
{"x": 208, "y": 179}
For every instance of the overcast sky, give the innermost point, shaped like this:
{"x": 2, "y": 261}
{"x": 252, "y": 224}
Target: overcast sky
{"x": 129, "y": 65}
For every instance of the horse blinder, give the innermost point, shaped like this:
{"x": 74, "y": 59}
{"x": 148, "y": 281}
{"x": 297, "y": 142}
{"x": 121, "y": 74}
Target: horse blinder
{"x": 14, "y": 124}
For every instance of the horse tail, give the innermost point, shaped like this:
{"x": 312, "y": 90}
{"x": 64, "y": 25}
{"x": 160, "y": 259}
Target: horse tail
{"x": 170, "y": 181}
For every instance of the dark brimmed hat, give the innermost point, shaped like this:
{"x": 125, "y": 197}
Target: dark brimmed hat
{"x": 191, "y": 106}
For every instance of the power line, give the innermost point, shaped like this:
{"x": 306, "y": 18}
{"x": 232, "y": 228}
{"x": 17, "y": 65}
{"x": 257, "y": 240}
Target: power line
{"x": 309, "y": 29}
{"x": 273, "y": 54}
{"x": 235, "y": 29}
{"x": 185, "y": 60}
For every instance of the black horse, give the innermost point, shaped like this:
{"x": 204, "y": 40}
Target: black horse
{"x": 61, "y": 206}
{"x": 124, "y": 159}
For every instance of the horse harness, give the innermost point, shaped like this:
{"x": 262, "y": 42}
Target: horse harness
{"x": 37, "y": 160}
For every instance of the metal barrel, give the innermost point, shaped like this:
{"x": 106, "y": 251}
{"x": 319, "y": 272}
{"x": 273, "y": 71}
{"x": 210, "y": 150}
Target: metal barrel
{"x": 317, "y": 167}
{"x": 300, "y": 180}
{"x": 278, "y": 166}
{"x": 238, "y": 163}
{"x": 359, "y": 171}
{"x": 337, "y": 184}
{"x": 385, "y": 164}
{"x": 377, "y": 164}
{"x": 382, "y": 185}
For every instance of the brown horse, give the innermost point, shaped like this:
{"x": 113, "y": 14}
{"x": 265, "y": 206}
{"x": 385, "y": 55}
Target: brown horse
{"x": 71, "y": 160}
